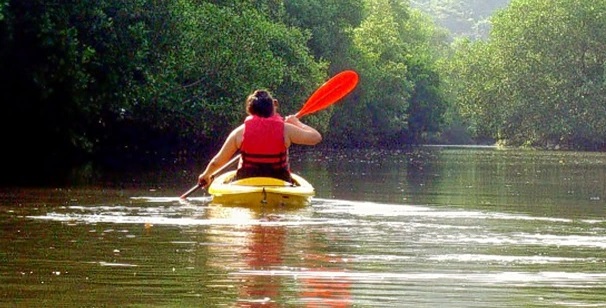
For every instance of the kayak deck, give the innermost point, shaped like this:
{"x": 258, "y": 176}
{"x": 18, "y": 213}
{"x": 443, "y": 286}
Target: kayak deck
{"x": 259, "y": 191}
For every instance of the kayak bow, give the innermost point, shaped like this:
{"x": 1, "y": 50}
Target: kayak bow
{"x": 260, "y": 191}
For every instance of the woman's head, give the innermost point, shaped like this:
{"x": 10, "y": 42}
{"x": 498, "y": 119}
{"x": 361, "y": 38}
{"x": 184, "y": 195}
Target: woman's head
{"x": 260, "y": 103}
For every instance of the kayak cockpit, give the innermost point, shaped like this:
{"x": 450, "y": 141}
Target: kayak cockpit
{"x": 256, "y": 191}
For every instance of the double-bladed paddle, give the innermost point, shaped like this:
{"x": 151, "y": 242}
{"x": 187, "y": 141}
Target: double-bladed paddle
{"x": 327, "y": 94}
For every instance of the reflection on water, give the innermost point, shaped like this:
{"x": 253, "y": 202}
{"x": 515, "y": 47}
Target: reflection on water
{"x": 457, "y": 228}
{"x": 336, "y": 253}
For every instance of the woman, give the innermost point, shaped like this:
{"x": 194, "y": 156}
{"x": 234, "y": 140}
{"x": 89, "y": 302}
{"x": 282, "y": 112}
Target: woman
{"x": 263, "y": 141}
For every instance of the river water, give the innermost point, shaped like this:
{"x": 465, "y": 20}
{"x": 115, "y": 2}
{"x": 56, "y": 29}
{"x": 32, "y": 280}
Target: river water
{"x": 425, "y": 227}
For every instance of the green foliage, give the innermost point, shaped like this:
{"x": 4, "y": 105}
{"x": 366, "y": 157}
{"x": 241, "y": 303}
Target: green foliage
{"x": 464, "y": 18}
{"x": 228, "y": 53}
{"x": 540, "y": 78}
{"x": 562, "y": 53}
{"x": 380, "y": 107}
{"x": 427, "y": 106}
{"x": 470, "y": 80}
{"x": 400, "y": 101}
{"x": 3, "y": 7}
{"x": 330, "y": 23}
{"x": 143, "y": 78}
{"x": 84, "y": 68}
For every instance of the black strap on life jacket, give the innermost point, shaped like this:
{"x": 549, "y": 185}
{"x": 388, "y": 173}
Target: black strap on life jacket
{"x": 264, "y": 165}
{"x": 276, "y": 161}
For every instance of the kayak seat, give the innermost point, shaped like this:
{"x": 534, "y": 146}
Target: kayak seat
{"x": 263, "y": 181}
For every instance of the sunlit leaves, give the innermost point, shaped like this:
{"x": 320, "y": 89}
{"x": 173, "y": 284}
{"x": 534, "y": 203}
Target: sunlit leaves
{"x": 465, "y": 18}
{"x": 544, "y": 74}
{"x": 227, "y": 53}
{"x": 329, "y": 22}
{"x": 390, "y": 41}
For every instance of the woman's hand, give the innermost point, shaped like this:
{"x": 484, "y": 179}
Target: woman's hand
{"x": 204, "y": 180}
{"x": 292, "y": 119}
{"x": 299, "y": 133}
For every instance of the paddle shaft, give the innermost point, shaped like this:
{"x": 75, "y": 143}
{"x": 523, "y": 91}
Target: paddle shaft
{"x": 200, "y": 185}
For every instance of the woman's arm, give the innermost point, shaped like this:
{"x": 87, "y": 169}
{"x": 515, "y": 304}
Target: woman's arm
{"x": 229, "y": 148}
{"x": 297, "y": 132}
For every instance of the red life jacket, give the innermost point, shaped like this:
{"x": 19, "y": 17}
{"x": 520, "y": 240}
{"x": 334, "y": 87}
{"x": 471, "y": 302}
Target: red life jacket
{"x": 263, "y": 150}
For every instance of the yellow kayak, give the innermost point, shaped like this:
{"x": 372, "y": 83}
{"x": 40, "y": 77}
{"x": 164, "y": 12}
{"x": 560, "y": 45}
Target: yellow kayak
{"x": 259, "y": 191}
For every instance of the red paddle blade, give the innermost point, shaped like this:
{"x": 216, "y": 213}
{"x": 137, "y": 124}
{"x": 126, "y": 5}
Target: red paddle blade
{"x": 330, "y": 92}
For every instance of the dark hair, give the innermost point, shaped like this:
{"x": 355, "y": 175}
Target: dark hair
{"x": 260, "y": 103}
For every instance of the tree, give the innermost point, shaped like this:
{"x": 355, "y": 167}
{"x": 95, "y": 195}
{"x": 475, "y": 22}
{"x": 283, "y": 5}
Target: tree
{"x": 557, "y": 57}
{"x": 227, "y": 53}
{"x": 330, "y": 24}
{"x": 76, "y": 72}
{"x": 427, "y": 45}
{"x": 393, "y": 51}
{"x": 111, "y": 78}
{"x": 539, "y": 80}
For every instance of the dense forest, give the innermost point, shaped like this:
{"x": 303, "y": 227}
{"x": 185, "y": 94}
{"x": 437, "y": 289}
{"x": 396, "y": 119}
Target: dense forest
{"x": 540, "y": 78}
{"x": 463, "y": 18}
{"x": 109, "y": 80}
